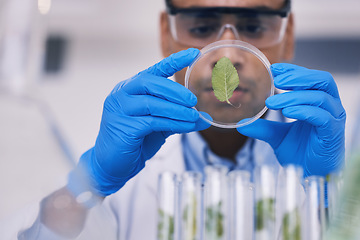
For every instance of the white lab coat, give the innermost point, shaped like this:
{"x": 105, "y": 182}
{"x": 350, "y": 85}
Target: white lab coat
{"x": 136, "y": 202}
{"x": 134, "y": 207}
{"x": 131, "y": 213}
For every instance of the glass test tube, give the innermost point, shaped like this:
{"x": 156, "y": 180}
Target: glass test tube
{"x": 345, "y": 223}
{"x": 191, "y": 202}
{"x": 215, "y": 200}
{"x": 291, "y": 203}
{"x": 241, "y": 203}
{"x": 265, "y": 192}
{"x": 315, "y": 208}
{"x": 166, "y": 206}
{"x": 334, "y": 183}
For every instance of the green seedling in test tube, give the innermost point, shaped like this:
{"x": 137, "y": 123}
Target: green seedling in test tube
{"x": 291, "y": 226}
{"x": 215, "y": 221}
{"x": 264, "y": 212}
{"x": 165, "y": 226}
{"x": 190, "y": 219}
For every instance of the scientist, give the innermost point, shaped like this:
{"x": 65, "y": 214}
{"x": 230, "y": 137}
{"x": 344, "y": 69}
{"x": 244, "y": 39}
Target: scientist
{"x": 142, "y": 115}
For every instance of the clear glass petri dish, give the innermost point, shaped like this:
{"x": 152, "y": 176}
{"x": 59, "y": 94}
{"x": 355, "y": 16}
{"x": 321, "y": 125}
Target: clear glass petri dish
{"x": 247, "y": 101}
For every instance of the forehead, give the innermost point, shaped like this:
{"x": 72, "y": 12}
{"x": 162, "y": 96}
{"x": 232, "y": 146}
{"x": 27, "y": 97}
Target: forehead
{"x": 275, "y": 4}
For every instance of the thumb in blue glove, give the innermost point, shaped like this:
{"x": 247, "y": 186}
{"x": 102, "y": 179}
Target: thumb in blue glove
{"x": 316, "y": 139}
{"x": 138, "y": 115}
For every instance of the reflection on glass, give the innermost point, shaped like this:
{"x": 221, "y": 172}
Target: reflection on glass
{"x": 166, "y": 206}
{"x": 314, "y": 207}
{"x": 190, "y": 210}
{"x": 215, "y": 203}
{"x": 334, "y": 181}
{"x": 345, "y": 223}
{"x": 291, "y": 203}
{"x": 265, "y": 186}
{"x": 241, "y": 203}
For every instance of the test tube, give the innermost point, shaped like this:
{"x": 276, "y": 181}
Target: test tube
{"x": 290, "y": 205}
{"x": 334, "y": 184}
{"x": 315, "y": 208}
{"x": 215, "y": 201}
{"x": 191, "y": 202}
{"x": 345, "y": 223}
{"x": 265, "y": 193}
{"x": 240, "y": 208}
{"x": 167, "y": 188}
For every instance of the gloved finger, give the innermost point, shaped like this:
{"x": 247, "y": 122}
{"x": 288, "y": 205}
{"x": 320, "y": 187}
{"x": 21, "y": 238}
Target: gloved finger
{"x": 320, "y": 118}
{"x": 313, "y": 115}
{"x": 265, "y": 130}
{"x": 147, "y": 84}
{"x": 145, "y": 105}
{"x": 306, "y": 97}
{"x": 174, "y": 63}
{"x": 201, "y": 124}
{"x": 158, "y": 124}
{"x": 176, "y": 126}
{"x": 291, "y": 77}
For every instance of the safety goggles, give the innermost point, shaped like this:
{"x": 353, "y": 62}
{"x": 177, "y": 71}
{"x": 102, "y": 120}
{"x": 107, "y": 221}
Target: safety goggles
{"x": 199, "y": 26}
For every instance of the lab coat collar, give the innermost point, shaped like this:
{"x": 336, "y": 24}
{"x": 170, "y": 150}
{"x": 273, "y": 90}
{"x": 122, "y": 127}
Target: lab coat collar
{"x": 170, "y": 157}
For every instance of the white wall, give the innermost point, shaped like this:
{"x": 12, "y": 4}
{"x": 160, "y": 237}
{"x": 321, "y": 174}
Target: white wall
{"x": 327, "y": 18}
{"x": 107, "y": 43}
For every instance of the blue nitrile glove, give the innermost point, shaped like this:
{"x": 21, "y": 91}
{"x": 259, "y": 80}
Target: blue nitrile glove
{"x": 138, "y": 115}
{"x": 316, "y": 140}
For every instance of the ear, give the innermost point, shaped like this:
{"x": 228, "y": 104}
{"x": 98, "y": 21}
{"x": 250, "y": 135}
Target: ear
{"x": 289, "y": 45}
{"x": 165, "y": 35}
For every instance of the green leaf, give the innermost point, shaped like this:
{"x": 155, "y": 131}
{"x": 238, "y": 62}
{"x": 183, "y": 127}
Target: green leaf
{"x": 190, "y": 218}
{"x": 225, "y": 79}
{"x": 165, "y": 226}
{"x": 291, "y": 225}
{"x": 215, "y": 220}
{"x": 264, "y": 212}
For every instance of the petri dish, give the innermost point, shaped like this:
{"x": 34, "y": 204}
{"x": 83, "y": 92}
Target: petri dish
{"x": 247, "y": 101}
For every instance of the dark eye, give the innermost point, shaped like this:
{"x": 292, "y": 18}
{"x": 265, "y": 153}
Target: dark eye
{"x": 252, "y": 30}
{"x": 202, "y": 31}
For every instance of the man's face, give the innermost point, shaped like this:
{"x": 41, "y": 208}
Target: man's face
{"x": 253, "y": 75}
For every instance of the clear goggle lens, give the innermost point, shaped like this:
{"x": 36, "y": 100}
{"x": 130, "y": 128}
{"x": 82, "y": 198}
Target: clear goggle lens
{"x": 199, "y": 30}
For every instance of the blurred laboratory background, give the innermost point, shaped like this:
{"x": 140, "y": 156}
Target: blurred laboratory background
{"x": 60, "y": 58}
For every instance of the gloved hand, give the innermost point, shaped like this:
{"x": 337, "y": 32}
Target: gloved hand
{"x": 138, "y": 115}
{"x": 316, "y": 140}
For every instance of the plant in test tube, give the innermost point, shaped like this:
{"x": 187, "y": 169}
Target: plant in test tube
{"x": 291, "y": 226}
{"x": 165, "y": 226}
{"x": 345, "y": 223}
{"x": 190, "y": 219}
{"x": 215, "y": 221}
{"x": 290, "y": 207}
{"x": 264, "y": 212}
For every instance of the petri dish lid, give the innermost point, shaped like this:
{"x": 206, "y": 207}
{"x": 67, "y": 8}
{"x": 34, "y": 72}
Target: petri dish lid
{"x": 253, "y": 84}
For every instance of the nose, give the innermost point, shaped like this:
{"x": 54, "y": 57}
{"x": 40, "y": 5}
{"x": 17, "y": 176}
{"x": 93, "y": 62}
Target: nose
{"x": 237, "y": 56}
{"x": 228, "y": 32}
